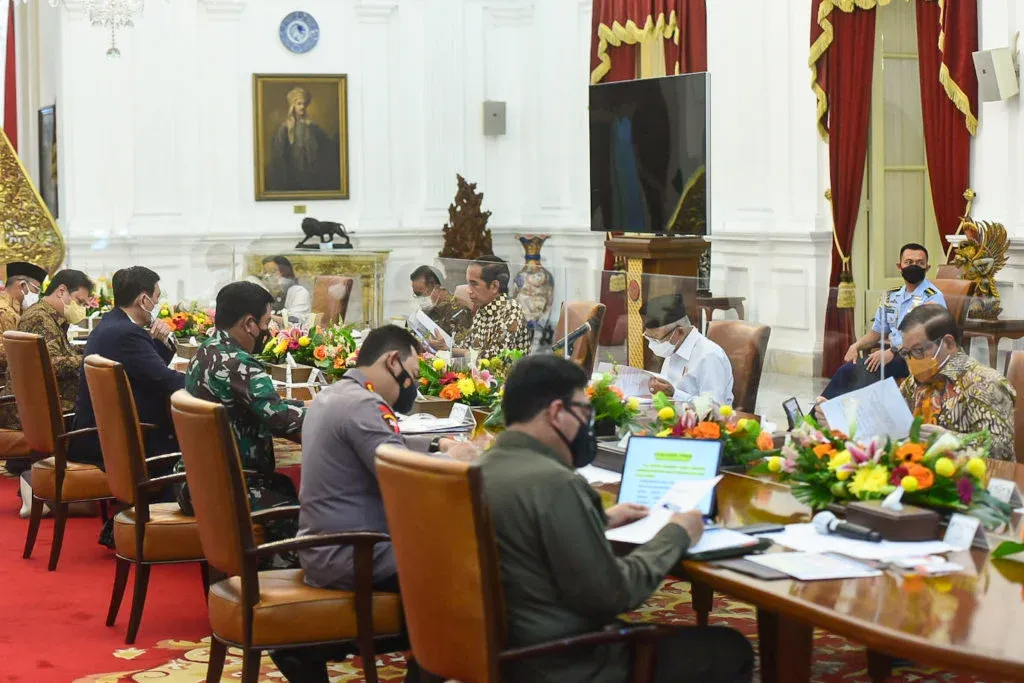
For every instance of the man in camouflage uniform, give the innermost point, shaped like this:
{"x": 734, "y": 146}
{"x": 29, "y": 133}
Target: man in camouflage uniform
{"x": 438, "y": 303}
{"x": 226, "y": 371}
{"x": 21, "y": 290}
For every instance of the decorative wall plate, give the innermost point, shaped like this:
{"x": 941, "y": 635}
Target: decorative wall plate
{"x": 299, "y": 32}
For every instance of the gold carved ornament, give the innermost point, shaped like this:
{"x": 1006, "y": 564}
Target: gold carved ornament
{"x": 29, "y": 231}
{"x": 980, "y": 257}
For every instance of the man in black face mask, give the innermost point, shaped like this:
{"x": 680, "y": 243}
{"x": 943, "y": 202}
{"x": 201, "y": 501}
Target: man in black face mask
{"x": 559, "y": 575}
{"x": 857, "y": 372}
{"x": 339, "y": 492}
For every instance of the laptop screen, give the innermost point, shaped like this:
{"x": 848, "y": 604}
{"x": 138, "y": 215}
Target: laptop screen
{"x": 653, "y": 465}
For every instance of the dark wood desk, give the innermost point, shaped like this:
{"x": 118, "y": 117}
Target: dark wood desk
{"x": 994, "y": 331}
{"x": 967, "y": 622}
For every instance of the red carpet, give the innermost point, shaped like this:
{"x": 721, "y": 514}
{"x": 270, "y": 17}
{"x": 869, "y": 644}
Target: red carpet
{"x": 53, "y": 629}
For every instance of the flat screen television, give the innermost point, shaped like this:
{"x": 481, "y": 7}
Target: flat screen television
{"x": 648, "y": 155}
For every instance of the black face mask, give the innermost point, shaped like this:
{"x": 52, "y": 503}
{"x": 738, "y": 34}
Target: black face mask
{"x": 913, "y": 274}
{"x": 406, "y": 392}
{"x": 584, "y": 446}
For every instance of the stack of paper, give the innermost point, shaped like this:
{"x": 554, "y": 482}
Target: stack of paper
{"x": 814, "y": 566}
{"x": 805, "y": 538}
{"x": 422, "y": 323}
{"x": 459, "y": 420}
{"x": 598, "y": 475}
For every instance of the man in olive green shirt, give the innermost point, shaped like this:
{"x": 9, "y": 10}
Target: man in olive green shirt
{"x": 559, "y": 575}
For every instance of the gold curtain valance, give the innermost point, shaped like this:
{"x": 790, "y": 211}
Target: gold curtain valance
{"x": 629, "y": 33}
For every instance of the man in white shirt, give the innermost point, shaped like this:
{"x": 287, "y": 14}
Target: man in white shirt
{"x": 694, "y": 365}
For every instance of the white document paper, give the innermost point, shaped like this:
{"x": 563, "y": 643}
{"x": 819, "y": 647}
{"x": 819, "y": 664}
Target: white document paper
{"x": 720, "y": 539}
{"x": 963, "y": 531}
{"x": 876, "y": 410}
{"x": 814, "y": 566}
{"x": 422, "y": 323}
{"x": 598, "y": 475}
{"x": 804, "y": 538}
{"x": 425, "y": 423}
{"x": 682, "y": 497}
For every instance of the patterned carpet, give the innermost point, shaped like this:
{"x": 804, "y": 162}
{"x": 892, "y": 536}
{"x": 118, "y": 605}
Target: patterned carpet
{"x": 836, "y": 660}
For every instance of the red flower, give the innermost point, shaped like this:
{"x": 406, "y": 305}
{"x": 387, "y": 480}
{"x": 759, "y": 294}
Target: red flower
{"x": 898, "y": 474}
{"x": 965, "y": 487}
{"x": 448, "y": 378}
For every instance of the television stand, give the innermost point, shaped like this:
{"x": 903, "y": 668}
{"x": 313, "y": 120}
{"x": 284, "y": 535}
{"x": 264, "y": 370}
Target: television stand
{"x": 647, "y": 257}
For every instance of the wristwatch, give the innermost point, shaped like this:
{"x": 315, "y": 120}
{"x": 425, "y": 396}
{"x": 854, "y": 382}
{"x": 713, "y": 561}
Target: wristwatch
{"x": 435, "y": 445}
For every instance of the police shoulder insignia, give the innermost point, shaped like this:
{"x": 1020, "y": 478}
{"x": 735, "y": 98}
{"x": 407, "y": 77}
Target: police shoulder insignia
{"x": 389, "y": 418}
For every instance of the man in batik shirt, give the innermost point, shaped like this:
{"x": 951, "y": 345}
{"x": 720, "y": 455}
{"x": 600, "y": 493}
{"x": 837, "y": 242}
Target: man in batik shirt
{"x": 225, "y": 370}
{"x": 948, "y": 389}
{"x": 499, "y": 323}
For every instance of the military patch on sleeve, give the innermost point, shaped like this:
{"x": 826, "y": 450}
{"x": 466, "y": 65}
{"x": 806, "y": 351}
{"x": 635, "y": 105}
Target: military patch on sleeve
{"x": 389, "y": 419}
{"x": 931, "y": 291}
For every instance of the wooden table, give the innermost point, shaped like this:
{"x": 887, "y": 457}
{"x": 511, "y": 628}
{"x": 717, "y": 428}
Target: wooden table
{"x": 710, "y": 304}
{"x": 994, "y": 331}
{"x": 967, "y": 622}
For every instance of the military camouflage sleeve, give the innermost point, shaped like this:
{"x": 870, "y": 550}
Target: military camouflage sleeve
{"x": 256, "y": 388}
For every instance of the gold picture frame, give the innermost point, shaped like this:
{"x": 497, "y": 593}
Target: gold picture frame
{"x": 300, "y": 136}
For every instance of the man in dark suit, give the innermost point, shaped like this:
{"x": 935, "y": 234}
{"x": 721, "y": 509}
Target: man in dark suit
{"x": 133, "y": 336}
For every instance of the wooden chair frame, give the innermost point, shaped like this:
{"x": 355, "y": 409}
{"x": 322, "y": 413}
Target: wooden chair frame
{"x": 363, "y": 543}
{"x": 641, "y": 636}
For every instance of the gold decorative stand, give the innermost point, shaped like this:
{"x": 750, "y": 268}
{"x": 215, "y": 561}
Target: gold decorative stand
{"x": 368, "y": 266}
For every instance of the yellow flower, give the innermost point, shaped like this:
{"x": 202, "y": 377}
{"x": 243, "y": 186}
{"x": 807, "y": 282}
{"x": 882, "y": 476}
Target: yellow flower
{"x": 269, "y": 345}
{"x": 483, "y": 388}
{"x": 303, "y": 341}
{"x": 775, "y": 464}
{"x": 484, "y": 363}
{"x": 843, "y": 475}
{"x": 976, "y": 467}
{"x": 944, "y": 467}
{"x": 633, "y": 403}
{"x": 666, "y": 413}
{"x": 438, "y": 364}
{"x": 870, "y": 479}
{"x": 726, "y": 411}
{"x": 838, "y": 460}
{"x": 909, "y": 483}
{"x": 165, "y": 313}
{"x": 664, "y": 432}
{"x": 467, "y": 387}
{"x": 281, "y": 348}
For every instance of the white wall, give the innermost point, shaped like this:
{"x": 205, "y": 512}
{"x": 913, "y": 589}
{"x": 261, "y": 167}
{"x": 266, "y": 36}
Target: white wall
{"x": 997, "y": 156}
{"x": 771, "y": 229}
{"x": 157, "y": 154}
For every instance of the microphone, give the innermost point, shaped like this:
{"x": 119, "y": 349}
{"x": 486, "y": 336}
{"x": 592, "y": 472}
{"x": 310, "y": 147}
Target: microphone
{"x": 826, "y": 523}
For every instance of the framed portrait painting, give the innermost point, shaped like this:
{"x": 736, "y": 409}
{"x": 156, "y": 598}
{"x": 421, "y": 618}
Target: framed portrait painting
{"x": 48, "y": 157}
{"x": 300, "y": 136}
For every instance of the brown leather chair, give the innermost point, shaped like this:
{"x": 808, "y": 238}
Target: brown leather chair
{"x": 1015, "y": 373}
{"x": 958, "y": 297}
{"x": 148, "y": 533}
{"x": 268, "y": 610}
{"x": 746, "y": 345}
{"x": 585, "y": 320}
{"x": 948, "y": 271}
{"x": 55, "y": 481}
{"x": 451, "y": 585}
{"x": 331, "y": 294}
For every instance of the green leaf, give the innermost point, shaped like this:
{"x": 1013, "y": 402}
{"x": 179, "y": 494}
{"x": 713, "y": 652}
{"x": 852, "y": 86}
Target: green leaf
{"x": 915, "y": 429}
{"x": 1007, "y": 548}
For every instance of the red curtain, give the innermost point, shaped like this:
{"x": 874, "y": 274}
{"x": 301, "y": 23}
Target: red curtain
{"x": 843, "y": 76}
{"x": 690, "y": 53}
{"x": 11, "y": 82}
{"x": 949, "y": 102}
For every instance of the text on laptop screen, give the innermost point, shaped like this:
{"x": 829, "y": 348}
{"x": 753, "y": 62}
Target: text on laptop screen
{"x": 654, "y": 465}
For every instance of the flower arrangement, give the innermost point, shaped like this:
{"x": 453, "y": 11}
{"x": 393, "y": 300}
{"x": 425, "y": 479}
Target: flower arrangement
{"x": 102, "y": 301}
{"x": 743, "y": 439}
{"x": 479, "y": 387}
{"x": 610, "y": 406}
{"x": 331, "y": 350}
{"x": 187, "y": 320}
{"x": 946, "y": 471}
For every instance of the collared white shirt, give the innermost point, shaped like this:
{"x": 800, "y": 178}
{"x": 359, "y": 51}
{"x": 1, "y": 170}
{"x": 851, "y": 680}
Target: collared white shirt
{"x": 297, "y": 301}
{"x": 699, "y": 366}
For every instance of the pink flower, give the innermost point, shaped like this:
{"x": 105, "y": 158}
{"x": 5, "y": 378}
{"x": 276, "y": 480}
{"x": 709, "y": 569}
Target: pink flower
{"x": 898, "y": 474}
{"x": 485, "y": 375}
{"x": 965, "y": 487}
{"x": 293, "y": 344}
{"x": 789, "y": 466}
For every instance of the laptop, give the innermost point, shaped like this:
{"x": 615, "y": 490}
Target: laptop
{"x": 653, "y": 465}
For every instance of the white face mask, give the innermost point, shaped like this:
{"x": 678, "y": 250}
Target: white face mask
{"x": 154, "y": 310}
{"x": 29, "y": 299}
{"x": 661, "y": 349}
{"x": 425, "y": 303}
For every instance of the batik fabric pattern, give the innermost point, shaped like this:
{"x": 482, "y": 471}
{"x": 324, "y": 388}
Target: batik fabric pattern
{"x": 966, "y": 397}
{"x": 499, "y": 326}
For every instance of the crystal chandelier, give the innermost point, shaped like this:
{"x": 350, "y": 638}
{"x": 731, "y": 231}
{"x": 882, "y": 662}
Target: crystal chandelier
{"x": 111, "y": 15}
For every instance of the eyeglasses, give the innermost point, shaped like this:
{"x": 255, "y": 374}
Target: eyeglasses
{"x": 918, "y": 352}
{"x": 584, "y": 406}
